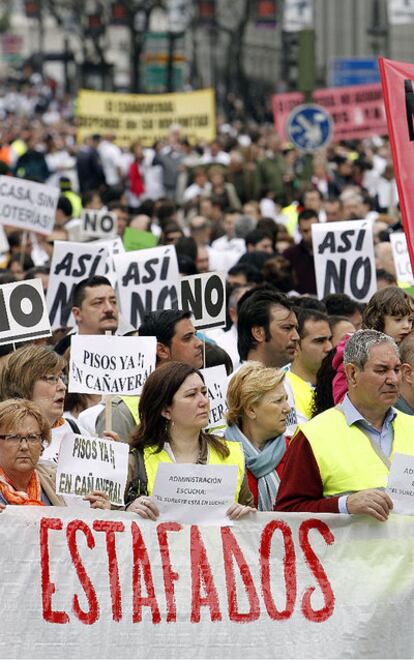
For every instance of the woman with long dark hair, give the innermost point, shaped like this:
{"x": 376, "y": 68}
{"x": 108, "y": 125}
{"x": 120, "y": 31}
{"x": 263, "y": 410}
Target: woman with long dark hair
{"x": 173, "y": 410}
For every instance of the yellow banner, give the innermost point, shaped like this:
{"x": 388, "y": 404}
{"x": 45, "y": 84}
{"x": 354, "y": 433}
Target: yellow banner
{"x": 146, "y": 117}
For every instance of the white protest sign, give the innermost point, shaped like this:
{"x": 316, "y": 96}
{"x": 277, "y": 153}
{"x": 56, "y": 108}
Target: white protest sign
{"x": 4, "y": 243}
{"x": 195, "y": 494}
{"x": 88, "y": 464}
{"x": 98, "y": 224}
{"x": 23, "y": 312}
{"x": 101, "y": 364}
{"x": 108, "y": 584}
{"x": 71, "y": 263}
{"x": 27, "y": 205}
{"x": 114, "y": 246}
{"x": 344, "y": 259}
{"x": 215, "y": 379}
{"x": 205, "y": 296}
{"x": 401, "y": 483}
{"x": 401, "y": 257}
{"x": 148, "y": 280}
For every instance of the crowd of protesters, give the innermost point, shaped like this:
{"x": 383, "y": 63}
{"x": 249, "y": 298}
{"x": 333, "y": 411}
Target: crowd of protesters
{"x": 243, "y": 204}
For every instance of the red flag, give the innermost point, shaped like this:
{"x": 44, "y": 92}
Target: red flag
{"x": 397, "y": 79}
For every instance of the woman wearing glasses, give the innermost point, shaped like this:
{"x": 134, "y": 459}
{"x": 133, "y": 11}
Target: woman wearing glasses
{"x": 35, "y": 372}
{"x": 24, "y": 433}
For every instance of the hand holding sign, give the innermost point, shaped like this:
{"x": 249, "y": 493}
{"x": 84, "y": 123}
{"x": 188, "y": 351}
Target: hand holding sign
{"x": 87, "y": 465}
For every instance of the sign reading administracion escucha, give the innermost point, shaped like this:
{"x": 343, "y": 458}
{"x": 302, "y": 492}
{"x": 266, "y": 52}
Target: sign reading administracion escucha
{"x": 146, "y": 117}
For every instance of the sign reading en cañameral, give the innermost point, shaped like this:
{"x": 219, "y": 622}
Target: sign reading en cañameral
{"x": 146, "y": 117}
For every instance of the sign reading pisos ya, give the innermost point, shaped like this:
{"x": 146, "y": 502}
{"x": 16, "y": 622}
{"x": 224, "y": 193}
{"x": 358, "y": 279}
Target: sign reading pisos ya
{"x": 146, "y": 117}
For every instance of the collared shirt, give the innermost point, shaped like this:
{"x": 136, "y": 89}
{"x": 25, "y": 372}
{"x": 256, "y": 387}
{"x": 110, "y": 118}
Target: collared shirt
{"x": 383, "y": 438}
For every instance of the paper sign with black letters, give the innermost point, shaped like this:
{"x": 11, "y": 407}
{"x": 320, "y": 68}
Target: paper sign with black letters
{"x": 205, "y": 296}
{"x": 344, "y": 259}
{"x": 401, "y": 257}
{"x": 147, "y": 280}
{"x": 23, "y": 312}
{"x": 400, "y": 485}
{"x": 215, "y": 379}
{"x": 4, "y": 243}
{"x": 71, "y": 263}
{"x": 101, "y": 364}
{"x": 88, "y": 464}
{"x": 98, "y": 224}
{"x": 195, "y": 494}
{"x": 27, "y": 205}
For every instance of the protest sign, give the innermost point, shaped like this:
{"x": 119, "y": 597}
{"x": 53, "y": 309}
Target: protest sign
{"x": 401, "y": 257}
{"x": 102, "y": 584}
{"x": 195, "y": 494}
{"x": 27, "y": 205}
{"x": 88, "y": 464}
{"x": 4, "y": 243}
{"x": 400, "y": 12}
{"x": 401, "y": 483}
{"x": 344, "y": 259}
{"x": 23, "y": 312}
{"x": 147, "y": 280}
{"x": 101, "y": 364}
{"x": 215, "y": 379}
{"x": 71, "y": 263}
{"x": 146, "y": 118}
{"x": 98, "y": 224}
{"x": 397, "y": 80}
{"x": 205, "y": 296}
{"x": 114, "y": 246}
{"x": 357, "y": 110}
{"x": 134, "y": 239}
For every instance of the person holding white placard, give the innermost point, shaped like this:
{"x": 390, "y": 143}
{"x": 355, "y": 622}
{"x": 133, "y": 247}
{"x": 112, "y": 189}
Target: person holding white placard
{"x": 24, "y": 435}
{"x": 339, "y": 461}
{"x": 257, "y": 415}
{"x": 173, "y": 411}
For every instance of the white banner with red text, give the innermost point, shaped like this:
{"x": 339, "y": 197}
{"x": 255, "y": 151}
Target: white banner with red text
{"x": 88, "y": 584}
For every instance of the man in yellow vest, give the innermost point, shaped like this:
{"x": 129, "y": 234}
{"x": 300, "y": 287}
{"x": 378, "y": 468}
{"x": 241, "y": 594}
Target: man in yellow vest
{"x": 314, "y": 344}
{"x": 339, "y": 461}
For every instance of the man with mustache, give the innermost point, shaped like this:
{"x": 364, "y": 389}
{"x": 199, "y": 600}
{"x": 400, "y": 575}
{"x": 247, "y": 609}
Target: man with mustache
{"x": 339, "y": 461}
{"x": 95, "y": 307}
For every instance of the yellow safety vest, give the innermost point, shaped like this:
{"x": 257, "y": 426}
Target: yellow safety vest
{"x": 291, "y": 212}
{"x": 236, "y": 457}
{"x": 131, "y": 403}
{"x": 346, "y": 459}
{"x": 302, "y": 393}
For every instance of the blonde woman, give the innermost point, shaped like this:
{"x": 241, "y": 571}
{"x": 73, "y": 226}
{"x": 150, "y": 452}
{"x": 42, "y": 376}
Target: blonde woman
{"x": 257, "y": 414}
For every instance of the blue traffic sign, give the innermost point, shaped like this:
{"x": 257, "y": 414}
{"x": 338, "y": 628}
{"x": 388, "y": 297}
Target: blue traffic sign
{"x": 309, "y": 127}
{"x": 346, "y": 71}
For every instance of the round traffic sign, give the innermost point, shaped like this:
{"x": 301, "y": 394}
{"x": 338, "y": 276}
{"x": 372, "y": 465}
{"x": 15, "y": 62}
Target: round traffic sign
{"x": 309, "y": 127}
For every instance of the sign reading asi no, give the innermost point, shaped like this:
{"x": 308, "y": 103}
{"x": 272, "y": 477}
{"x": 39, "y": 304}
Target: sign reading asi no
{"x": 344, "y": 259}
{"x": 23, "y": 312}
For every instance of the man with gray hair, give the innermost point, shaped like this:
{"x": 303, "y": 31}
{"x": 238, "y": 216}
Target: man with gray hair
{"x": 339, "y": 461}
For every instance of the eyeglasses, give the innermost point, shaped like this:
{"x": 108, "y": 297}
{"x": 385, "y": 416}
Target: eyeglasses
{"x": 31, "y": 438}
{"x": 53, "y": 380}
